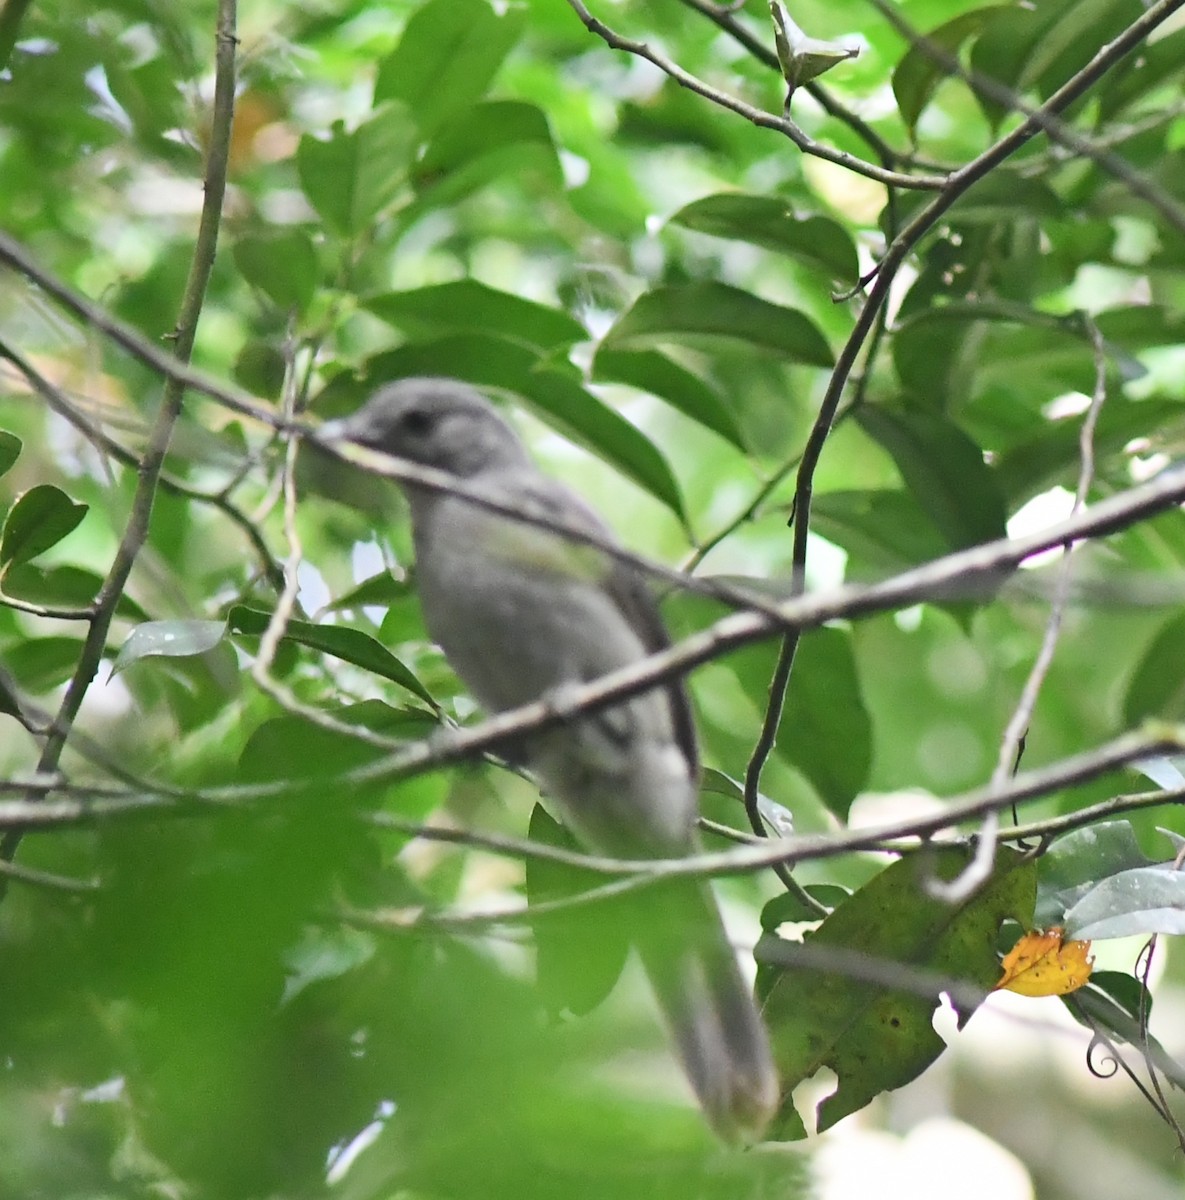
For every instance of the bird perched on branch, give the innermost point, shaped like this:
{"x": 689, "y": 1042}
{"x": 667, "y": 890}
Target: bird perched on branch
{"x": 523, "y": 613}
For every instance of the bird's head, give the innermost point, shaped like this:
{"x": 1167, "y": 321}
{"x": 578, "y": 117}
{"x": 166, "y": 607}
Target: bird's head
{"x": 436, "y": 422}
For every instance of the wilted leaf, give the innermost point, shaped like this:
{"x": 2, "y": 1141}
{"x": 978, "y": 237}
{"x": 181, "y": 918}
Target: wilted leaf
{"x": 803, "y": 58}
{"x": 1043, "y": 963}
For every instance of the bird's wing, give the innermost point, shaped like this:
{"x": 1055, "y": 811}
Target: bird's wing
{"x": 625, "y": 584}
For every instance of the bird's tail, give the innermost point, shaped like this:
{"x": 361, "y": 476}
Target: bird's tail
{"x": 710, "y": 1010}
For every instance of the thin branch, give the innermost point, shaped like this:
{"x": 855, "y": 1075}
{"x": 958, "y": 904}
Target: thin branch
{"x": 1067, "y": 822}
{"x": 1054, "y": 128}
{"x": 757, "y": 116}
{"x": 724, "y": 19}
{"x": 60, "y": 403}
{"x": 35, "y": 877}
{"x": 979, "y": 870}
{"x": 152, "y": 463}
{"x": 1111, "y": 756}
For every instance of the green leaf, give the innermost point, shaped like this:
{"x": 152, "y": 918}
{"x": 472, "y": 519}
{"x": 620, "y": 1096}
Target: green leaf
{"x": 918, "y": 75}
{"x": 944, "y": 469}
{"x": 693, "y": 312}
{"x": 579, "y": 955}
{"x": 171, "y": 639}
{"x": 1120, "y": 1005}
{"x": 41, "y": 664}
{"x": 382, "y": 589}
{"x": 881, "y": 530}
{"x": 770, "y": 222}
{"x": 494, "y": 140}
{"x": 1075, "y": 863}
{"x": 826, "y": 730}
{"x": 1138, "y": 76}
{"x": 873, "y": 1036}
{"x": 350, "y": 645}
{"x": 653, "y": 372}
{"x": 469, "y": 306}
{"x": 1141, "y": 901}
{"x": 448, "y": 55}
{"x": 10, "y": 449}
{"x": 350, "y": 177}
{"x": 1053, "y": 454}
{"x": 40, "y": 518}
{"x": 1157, "y": 688}
{"x": 495, "y": 363}
{"x": 282, "y": 264}
{"x": 1004, "y": 195}
{"x": 62, "y": 587}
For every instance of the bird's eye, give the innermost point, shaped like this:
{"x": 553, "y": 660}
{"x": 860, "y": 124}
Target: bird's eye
{"x": 416, "y": 421}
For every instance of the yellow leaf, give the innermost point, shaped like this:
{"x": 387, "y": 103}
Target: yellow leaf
{"x": 1042, "y": 963}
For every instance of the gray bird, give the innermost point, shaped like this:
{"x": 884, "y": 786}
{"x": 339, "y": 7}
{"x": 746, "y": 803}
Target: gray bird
{"x": 522, "y": 612}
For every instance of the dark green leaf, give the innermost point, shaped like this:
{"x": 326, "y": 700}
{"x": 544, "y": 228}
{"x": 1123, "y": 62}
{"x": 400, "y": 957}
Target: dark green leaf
{"x": 62, "y": 587}
{"x": 350, "y": 177}
{"x": 382, "y": 589}
{"x": 919, "y": 74}
{"x": 1138, "y": 76}
{"x": 944, "y": 470}
{"x": 791, "y": 909}
{"x": 1052, "y": 455}
{"x": 826, "y": 730}
{"x": 10, "y": 448}
{"x": 653, "y": 372}
{"x": 446, "y": 58}
{"x": 40, "y": 518}
{"x": 579, "y": 954}
{"x": 1116, "y": 1007}
{"x": 694, "y": 312}
{"x": 41, "y": 664}
{"x": 874, "y": 1037}
{"x": 469, "y": 306}
{"x": 1157, "y": 689}
{"x": 350, "y": 645}
{"x": 770, "y": 222}
{"x": 499, "y": 139}
{"x": 881, "y": 530}
{"x": 281, "y": 263}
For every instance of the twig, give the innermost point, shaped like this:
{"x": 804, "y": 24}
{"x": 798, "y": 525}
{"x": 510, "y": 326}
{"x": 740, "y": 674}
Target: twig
{"x": 757, "y": 116}
{"x": 1054, "y": 128}
{"x": 724, "y": 19}
{"x": 979, "y": 870}
{"x": 61, "y": 404}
